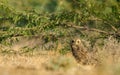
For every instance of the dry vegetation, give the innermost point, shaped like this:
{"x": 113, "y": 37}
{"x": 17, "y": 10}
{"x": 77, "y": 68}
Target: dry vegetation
{"x": 51, "y": 62}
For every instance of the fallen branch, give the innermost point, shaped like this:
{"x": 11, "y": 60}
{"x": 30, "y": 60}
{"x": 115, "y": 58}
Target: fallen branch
{"x": 116, "y": 33}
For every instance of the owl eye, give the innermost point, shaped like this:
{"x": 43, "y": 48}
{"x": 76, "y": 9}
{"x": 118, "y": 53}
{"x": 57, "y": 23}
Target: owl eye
{"x": 78, "y": 41}
{"x": 72, "y": 41}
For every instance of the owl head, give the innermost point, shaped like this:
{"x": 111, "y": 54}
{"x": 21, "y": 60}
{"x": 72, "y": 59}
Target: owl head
{"x": 76, "y": 42}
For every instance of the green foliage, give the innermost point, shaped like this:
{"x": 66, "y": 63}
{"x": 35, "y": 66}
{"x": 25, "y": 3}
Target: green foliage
{"x": 54, "y": 17}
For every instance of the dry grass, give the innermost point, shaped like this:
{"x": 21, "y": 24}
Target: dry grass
{"x": 41, "y": 62}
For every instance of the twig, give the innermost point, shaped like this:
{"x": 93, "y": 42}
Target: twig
{"x": 86, "y": 28}
{"x": 116, "y": 34}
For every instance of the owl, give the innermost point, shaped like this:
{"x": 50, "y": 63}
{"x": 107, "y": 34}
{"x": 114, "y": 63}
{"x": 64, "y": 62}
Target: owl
{"x": 80, "y": 53}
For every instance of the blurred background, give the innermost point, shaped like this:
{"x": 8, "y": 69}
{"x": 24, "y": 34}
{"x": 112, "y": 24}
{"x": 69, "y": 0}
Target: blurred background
{"x": 55, "y": 20}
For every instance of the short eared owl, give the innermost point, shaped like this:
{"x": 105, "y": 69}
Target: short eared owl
{"x": 80, "y": 52}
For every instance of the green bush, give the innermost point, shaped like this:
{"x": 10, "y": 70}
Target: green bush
{"x": 63, "y": 19}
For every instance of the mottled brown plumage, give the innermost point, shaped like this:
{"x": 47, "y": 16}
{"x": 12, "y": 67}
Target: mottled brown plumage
{"x": 80, "y": 53}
